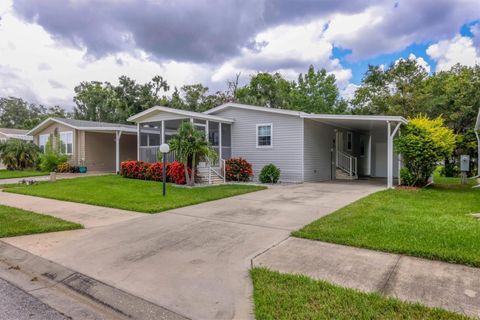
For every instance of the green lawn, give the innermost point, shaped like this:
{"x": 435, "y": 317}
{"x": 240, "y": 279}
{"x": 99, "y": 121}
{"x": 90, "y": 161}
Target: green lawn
{"x": 8, "y": 174}
{"x": 284, "y": 296}
{"x": 16, "y": 222}
{"x": 130, "y": 194}
{"x": 433, "y": 222}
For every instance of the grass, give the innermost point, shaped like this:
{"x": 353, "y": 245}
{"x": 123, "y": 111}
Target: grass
{"x": 433, "y": 222}
{"x": 129, "y": 194}
{"x": 16, "y": 222}
{"x": 9, "y": 174}
{"x": 284, "y": 296}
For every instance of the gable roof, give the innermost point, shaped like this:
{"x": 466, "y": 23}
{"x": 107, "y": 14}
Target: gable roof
{"x": 15, "y": 133}
{"x": 144, "y": 114}
{"x": 308, "y": 115}
{"x": 84, "y": 125}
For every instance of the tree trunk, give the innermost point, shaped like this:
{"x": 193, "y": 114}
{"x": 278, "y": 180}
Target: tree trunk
{"x": 187, "y": 177}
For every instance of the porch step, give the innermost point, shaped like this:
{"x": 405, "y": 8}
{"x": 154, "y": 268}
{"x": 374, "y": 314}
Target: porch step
{"x": 202, "y": 177}
{"x": 342, "y": 175}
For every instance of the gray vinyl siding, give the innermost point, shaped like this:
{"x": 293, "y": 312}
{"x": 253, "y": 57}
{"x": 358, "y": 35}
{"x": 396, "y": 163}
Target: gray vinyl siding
{"x": 287, "y": 139}
{"x": 317, "y": 144}
{"x": 379, "y": 154}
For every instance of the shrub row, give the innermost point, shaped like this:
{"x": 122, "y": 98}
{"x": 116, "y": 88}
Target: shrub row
{"x": 153, "y": 171}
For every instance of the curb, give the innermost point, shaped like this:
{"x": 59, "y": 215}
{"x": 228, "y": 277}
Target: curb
{"x": 115, "y": 299}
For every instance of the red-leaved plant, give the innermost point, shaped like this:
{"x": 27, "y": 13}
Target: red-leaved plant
{"x": 238, "y": 169}
{"x": 134, "y": 169}
{"x": 176, "y": 172}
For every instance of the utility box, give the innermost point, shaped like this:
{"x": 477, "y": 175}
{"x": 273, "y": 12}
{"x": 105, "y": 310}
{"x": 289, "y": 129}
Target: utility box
{"x": 464, "y": 163}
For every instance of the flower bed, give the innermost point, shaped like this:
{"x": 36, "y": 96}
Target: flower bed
{"x": 238, "y": 169}
{"x": 146, "y": 171}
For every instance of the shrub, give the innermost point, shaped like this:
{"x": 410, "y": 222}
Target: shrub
{"x": 155, "y": 171}
{"x": 269, "y": 174}
{"x": 63, "y": 167}
{"x": 238, "y": 169}
{"x": 49, "y": 161}
{"x": 134, "y": 169}
{"x": 406, "y": 177}
{"x": 424, "y": 143}
{"x": 74, "y": 169}
{"x": 176, "y": 172}
{"x": 17, "y": 154}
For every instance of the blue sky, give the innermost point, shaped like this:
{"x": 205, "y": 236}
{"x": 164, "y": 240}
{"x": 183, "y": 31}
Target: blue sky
{"x": 48, "y": 47}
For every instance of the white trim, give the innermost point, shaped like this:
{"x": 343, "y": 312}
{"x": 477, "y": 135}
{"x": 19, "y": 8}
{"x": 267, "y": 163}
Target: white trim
{"x": 271, "y": 135}
{"x": 138, "y": 141}
{"x": 355, "y": 117}
{"x": 189, "y": 114}
{"x": 112, "y": 128}
{"x": 66, "y": 148}
{"x": 254, "y": 108}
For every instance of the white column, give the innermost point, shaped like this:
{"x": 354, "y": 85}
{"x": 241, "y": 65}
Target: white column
{"x": 206, "y": 130}
{"x": 399, "y": 163}
{"x": 220, "y": 141}
{"x": 191, "y": 120}
{"x": 163, "y": 131}
{"x": 389, "y": 156}
{"x": 138, "y": 141}
{"x": 118, "y": 134}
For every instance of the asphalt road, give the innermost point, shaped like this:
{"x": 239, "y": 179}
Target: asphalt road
{"x": 16, "y": 304}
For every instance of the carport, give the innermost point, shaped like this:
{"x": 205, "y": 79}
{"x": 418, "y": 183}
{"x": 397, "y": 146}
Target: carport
{"x": 363, "y": 144}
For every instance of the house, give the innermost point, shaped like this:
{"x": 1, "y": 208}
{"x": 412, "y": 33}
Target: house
{"x": 8, "y": 133}
{"x": 100, "y": 146}
{"x": 306, "y": 147}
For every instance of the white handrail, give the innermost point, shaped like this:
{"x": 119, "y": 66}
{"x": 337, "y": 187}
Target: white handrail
{"x": 347, "y": 163}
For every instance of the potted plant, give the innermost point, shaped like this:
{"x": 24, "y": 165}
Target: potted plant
{"x": 82, "y": 168}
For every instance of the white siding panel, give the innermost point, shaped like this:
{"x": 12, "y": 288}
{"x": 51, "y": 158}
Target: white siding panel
{"x": 317, "y": 145}
{"x": 379, "y": 154}
{"x": 287, "y": 150}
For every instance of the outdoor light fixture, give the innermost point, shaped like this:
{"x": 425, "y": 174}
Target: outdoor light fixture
{"x": 164, "y": 149}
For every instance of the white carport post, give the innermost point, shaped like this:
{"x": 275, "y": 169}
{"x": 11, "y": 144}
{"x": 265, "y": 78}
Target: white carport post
{"x": 118, "y": 135}
{"x": 220, "y": 141}
{"x": 390, "y": 137}
{"x": 138, "y": 141}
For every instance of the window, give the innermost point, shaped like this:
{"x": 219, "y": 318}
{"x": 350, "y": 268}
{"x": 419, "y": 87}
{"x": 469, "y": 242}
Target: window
{"x": 42, "y": 141}
{"x": 66, "y": 142}
{"x": 349, "y": 141}
{"x": 264, "y": 135}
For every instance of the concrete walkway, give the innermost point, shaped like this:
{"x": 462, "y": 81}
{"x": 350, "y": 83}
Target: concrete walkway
{"x": 60, "y": 176}
{"x": 433, "y": 283}
{"x": 193, "y": 260}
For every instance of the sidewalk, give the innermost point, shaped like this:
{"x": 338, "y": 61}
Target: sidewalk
{"x": 60, "y": 176}
{"x": 88, "y": 215}
{"x": 433, "y": 283}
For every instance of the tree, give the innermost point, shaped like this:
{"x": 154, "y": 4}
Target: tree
{"x": 422, "y": 145}
{"x": 18, "y": 154}
{"x": 266, "y": 89}
{"x": 191, "y": 147}
{"x": 17, "y": 113}
{"x": 396, "y": 90}
{"x": 316, "y": 92}
{"x": 103, "y": 101}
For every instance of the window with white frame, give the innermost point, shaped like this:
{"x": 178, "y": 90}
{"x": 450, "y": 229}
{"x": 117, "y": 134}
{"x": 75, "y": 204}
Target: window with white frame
{"x": 66, "y": 142}
{"x": 42, "y": 141}
{"x": 349, "y": 141}
{"x": 264, "y": 135}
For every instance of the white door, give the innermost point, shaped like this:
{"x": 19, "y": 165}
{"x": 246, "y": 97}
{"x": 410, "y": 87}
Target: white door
{"x": 365, "y": 155}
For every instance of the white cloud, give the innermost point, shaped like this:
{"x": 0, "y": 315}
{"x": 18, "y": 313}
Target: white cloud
{"x": 459, "y": 49}
{"x": 288, "y": 50}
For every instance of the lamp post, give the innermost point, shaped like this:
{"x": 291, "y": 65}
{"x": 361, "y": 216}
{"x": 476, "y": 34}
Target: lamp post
{"x": 164, "y": 149}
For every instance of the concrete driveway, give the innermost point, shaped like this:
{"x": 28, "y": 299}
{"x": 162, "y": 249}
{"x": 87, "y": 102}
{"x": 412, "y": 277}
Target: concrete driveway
{"x": 195, "y": 260}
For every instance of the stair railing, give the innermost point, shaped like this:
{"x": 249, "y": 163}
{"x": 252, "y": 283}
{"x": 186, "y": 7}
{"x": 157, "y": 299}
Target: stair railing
{"x": 347, "y": 163}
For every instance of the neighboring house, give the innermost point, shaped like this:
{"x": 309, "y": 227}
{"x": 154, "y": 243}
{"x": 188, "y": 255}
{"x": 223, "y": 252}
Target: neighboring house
{"x": 100, "y": 146}
{"x": 7, "y": 134}
{"x": 306, "y": 147}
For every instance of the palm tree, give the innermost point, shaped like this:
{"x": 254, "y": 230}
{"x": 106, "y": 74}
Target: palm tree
{"x": 191, "y": 147}
{"x": 18, "y": 154}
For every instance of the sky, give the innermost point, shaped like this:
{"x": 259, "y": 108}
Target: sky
{"x": 48, "y": 47}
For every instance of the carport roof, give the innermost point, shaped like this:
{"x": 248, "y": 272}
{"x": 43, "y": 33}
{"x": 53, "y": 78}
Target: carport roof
{"x": 84, "y": 125}
{"x": 355, "y": 122}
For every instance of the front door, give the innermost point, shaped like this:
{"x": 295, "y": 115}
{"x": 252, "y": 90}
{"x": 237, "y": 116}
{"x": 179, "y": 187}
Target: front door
{"x": 365, "y": 155}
